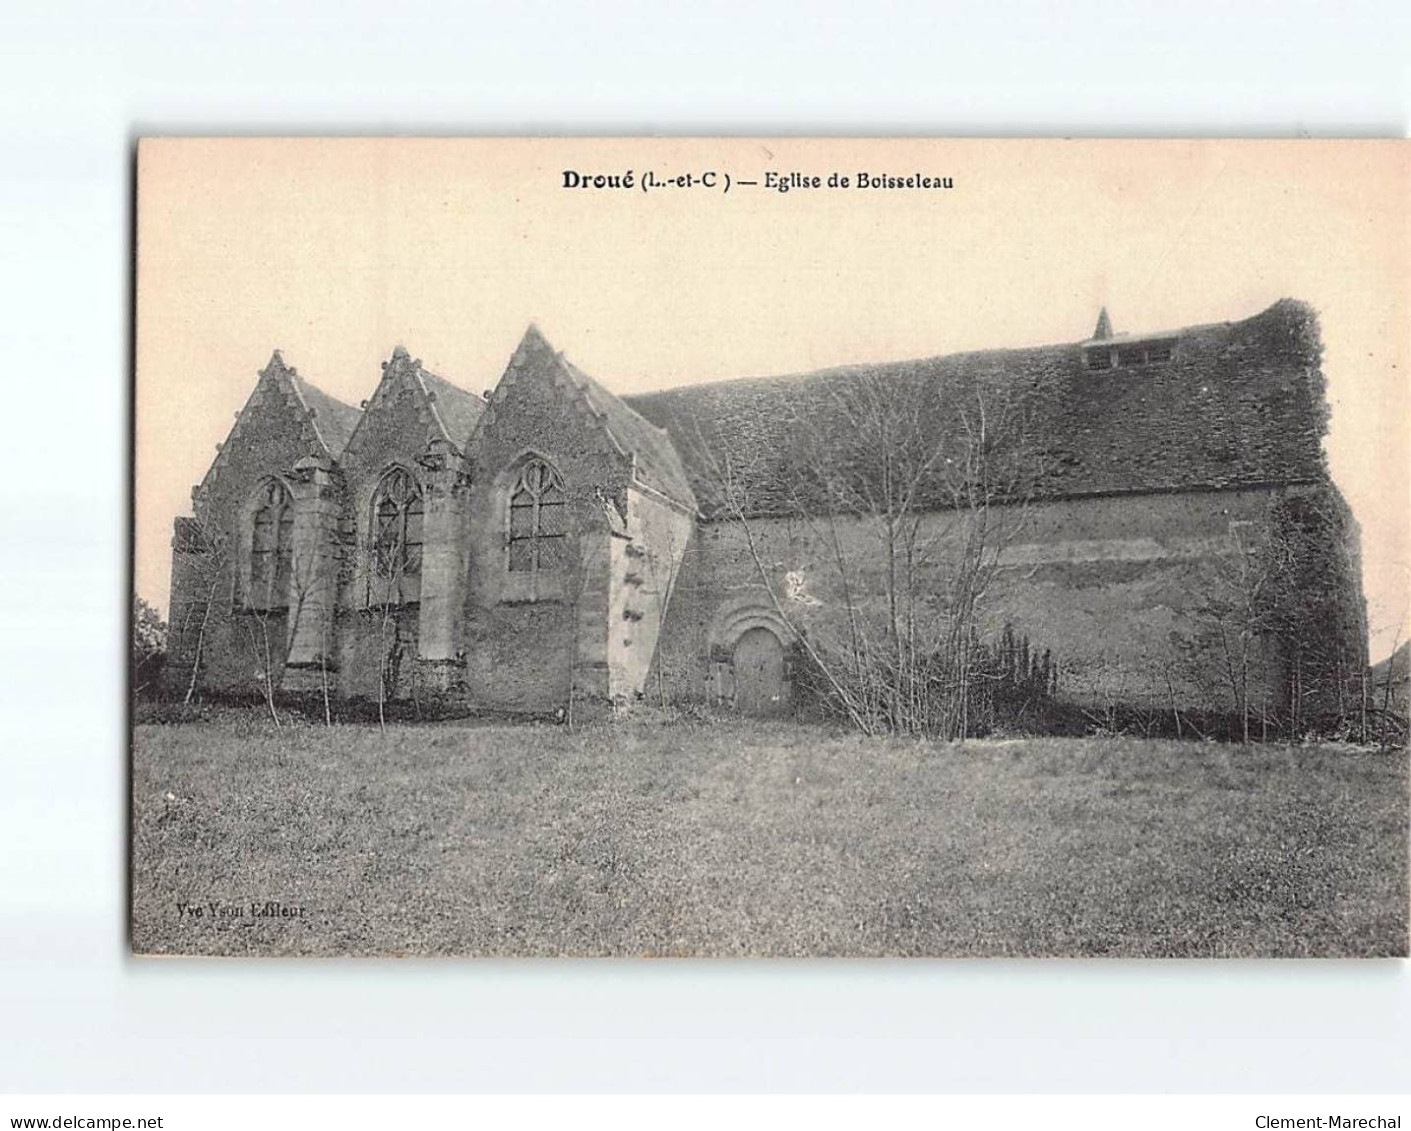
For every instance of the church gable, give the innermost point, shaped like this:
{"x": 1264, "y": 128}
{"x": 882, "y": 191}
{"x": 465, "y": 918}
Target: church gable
{"x": 403, "y": 465}
{"x": 285, "y": 421}
{"x": 541, "y": 386}
{"x": 539, "y": 409}
{"x": 410, "y": 414}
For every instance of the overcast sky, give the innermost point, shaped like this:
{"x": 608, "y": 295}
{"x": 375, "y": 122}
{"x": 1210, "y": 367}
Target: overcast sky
{"x": 335, "y": 251}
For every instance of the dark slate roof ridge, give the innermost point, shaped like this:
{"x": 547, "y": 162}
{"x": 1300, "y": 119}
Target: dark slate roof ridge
{"x": 857, "y": 368}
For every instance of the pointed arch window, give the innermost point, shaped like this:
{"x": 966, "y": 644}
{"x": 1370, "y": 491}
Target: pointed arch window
{"x": 538, "y": 520}
{"x": 271, "y": 546}
{"x": 397, "y": 514}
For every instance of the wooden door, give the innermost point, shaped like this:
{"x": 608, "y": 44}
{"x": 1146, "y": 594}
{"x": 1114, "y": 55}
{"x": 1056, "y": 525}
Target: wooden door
{"x": 760, "y": 684}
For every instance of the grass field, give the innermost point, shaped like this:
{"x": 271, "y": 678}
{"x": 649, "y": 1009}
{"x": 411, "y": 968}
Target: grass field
{"x": 740, "y": 838}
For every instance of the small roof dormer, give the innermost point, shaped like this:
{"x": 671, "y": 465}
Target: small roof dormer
{"x": 1109, "y": 350}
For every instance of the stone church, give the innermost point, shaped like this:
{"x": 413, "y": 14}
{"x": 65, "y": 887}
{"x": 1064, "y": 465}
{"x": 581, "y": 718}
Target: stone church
{"x": 554, "y": 547}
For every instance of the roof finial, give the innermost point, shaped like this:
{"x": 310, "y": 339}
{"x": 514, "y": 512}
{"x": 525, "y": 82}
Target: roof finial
{"x": 1104, "y": 325}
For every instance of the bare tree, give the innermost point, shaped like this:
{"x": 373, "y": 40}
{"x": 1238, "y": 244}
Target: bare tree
{"x": 921, "y": 486}
{"x": 149, "y": 645}
{"x": 1392, "y": 722}
{"x": 204, "y": 548}
{"x": 1276, "y": 621}
{"x": 299, "y": 583}
{"x": 389, "y": 567}
{"x": 282, "y": 603}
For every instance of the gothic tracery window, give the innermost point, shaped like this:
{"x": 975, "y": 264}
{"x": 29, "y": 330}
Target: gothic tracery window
{"x": 538, "y": 520}
{"x": 397, "y": 526}
{"x": 271, "y": 546}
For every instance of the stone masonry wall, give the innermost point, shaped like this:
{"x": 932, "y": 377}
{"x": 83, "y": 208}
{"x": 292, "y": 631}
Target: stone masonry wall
{"x": 272, "y": 436}
{"x": 1102, "y": 582}
{"x": 532, "y": 643}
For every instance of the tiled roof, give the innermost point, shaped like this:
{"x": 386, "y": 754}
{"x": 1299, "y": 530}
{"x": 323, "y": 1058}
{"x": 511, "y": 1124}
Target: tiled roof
{"x": 334, "y": 420}
{"x": 658, "y": 463}
{"x": 1237, "y": 403}
{"x": 458, "y": 408}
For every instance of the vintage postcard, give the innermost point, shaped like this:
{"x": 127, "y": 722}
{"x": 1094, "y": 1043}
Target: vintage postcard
{"x": 651, "y": 547}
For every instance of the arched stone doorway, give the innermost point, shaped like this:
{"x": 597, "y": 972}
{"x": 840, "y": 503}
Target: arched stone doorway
{"x": 761, "y": 686}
